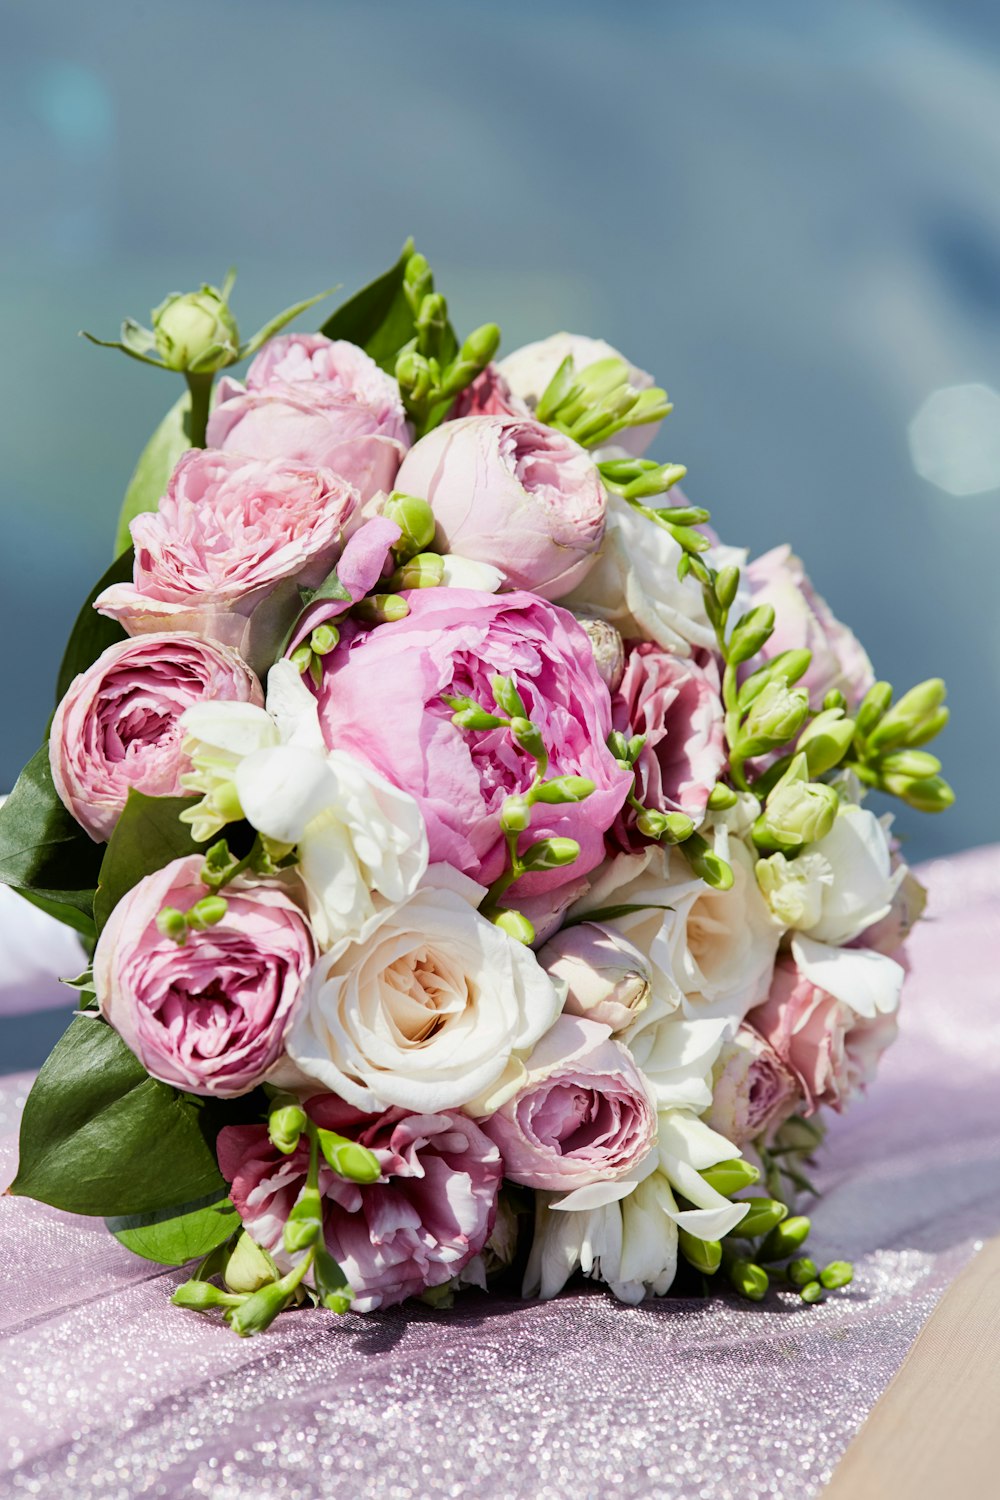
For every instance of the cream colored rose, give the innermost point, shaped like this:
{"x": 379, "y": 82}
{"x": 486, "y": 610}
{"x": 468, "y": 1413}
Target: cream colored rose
{"x": 433, "y": 1010}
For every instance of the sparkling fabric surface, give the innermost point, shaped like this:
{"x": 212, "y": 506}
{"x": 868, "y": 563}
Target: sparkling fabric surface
{"x": 107, "y": 1391}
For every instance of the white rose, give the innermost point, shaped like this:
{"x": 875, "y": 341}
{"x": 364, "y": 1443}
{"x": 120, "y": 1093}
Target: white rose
{"x": 435, "y": 1009}
{"x": 641, "y": 881}
{"x": 361, "y": 842}
{"x": 863, "y": 886}
{"x": 529, "y": 369}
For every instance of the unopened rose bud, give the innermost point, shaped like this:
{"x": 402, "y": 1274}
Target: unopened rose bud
{"x": 775, "y": 718}
{"x": 196, "y": 331}
{"x": 608, "y": 649}
{"x": 606, "y": 977}
{"x": 249, "y": 1267}
{"x": 796, "y": 813}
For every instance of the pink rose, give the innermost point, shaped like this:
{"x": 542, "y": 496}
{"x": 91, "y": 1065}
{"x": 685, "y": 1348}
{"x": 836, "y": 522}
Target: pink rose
{"x": 753, "y": 1091}
{"x": 675, "y": 704}
{"x": 119, "y": 724}
{"x": 319, "y": 401}
{"x": 582, "y": 1116}
{"x": 489, "y": 395}
{"x": 832, "y": 1051}
{"x": 804, "y": 619}
{"x": 230, "y": 533}
{"x": 430, "y": 1213}
{"x": 529, "y": 369}
{"x": 381, "y": 699}
{"x": 512, "y": 493}
{"x": 210, "y": 1014}
{"x": 606, "y": 977}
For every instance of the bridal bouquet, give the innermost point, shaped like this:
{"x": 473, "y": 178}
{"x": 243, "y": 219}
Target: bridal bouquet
{"x": 471, "y": 851}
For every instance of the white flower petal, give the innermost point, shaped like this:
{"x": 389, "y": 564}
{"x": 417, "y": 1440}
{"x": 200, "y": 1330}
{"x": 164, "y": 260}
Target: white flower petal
{"x": 870, "y": 983}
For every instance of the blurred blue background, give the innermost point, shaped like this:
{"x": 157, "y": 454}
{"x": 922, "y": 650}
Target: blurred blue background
{"x": 790, "y": 214}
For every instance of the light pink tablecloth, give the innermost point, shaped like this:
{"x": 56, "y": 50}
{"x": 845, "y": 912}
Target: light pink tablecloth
{"x": 106, "y": 1391}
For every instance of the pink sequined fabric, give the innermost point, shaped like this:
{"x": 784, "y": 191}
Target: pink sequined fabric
{"x": 107, "y": 1391}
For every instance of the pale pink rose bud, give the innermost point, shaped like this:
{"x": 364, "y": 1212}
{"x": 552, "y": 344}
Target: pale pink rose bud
{"x": 430, "y": 1213}
{"x": 609, "y": 651}
{"x": 209, "y": 1013}
{"x": 606, "y": 977}
{"x": 321, "y": 402}
{"x": 229, "y": 533}
{"x": 677, "y": 706}
{"x": 803, "y": 619}
{"x": 583, "y": 1115}
{"x": 832, "y": 1051}
{"x": 753, "y": 1091}
{"x": 119, "y": 724}
{"x": 514, "y": 494}
{"x": 488, "y": 395}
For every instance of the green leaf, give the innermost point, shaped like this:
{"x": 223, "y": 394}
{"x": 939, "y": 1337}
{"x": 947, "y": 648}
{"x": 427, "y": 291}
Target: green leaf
{"x": 276, "y": 324}
{"x": 173, "y": 1236}
{"x": 44, "y": 853}
{"x": 155, "y": 466}
{"x": 612, "y": 913}
{"x": 99, "y": 1136}
{"x": 147, "y": 836}
{"x": 378, "y": 318}
{"x": 330, "y": 588}
{"x": 94, "y": 633}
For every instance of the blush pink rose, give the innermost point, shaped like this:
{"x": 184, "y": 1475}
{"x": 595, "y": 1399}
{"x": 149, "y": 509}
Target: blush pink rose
{"x": 230, "y": 533}
{"x": 381, "y": 699}
{"x": 583, "y": 1115}
{"x": 489, "y": 395}
{"x": 803, "y": 619}
{"x": 119, "y": 724}
{"x": 209, "y": 1015}
{"x": 512, "y": 493}
{"x": 832, "y": 1051}
{"x": 322, "y": 402}
{"x": 677, "y": 706}
{"x": 753, "y": 1091}
{"x": 607, "y": 979}
{"x": 427, "y": 1217}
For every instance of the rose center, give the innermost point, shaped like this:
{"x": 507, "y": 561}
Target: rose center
{"x": 426, "y": 992}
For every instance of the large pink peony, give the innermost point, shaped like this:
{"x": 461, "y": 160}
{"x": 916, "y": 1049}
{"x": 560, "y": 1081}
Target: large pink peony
{"x": 832, "y": 1051}
{"x": 320, "y": 401}
{"x": 489, "y": 395}
{"x": 210, "y": 1014}
{"x": 753, "y": 1091}
{"x": 804, "y": 619}
{"x": 512, "y": 493}
{"x": 676, "y": 705}
{"x": 381, "y": 699}
{"x": 119, "y": 724}
{"x": 430, "y": 1213}
{"x": 230, "y": 532}
{"x": 583, "y": 1115}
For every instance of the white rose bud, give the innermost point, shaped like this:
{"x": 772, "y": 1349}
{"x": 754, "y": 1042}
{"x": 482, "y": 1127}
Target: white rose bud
{"x": 607, "y": 978}
{"x": 609, "y": 651}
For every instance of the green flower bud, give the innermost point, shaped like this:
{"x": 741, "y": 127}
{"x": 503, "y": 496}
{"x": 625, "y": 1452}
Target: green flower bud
{"x": 704, "y": 1255}
{"x": 285, "y": 1123}
{"x": 651, "y": 823}
{"x": 826, "y": 740}
{"x": 764, "y": 1214}
{"x": 729, "y": 1177}
{"x": 480, "y": 346}
{"x": 706, "y": 864}
{"x": 415, "y": 520}
{"x": 431, "y": 321}
{"x": 550, "y": 854}
{"x": 173, "y": 924}
{"x": 726, "y": 584}
{"x": 812, "y": 1292}
{"x": 908, "y": 714}
{"x": 835, "y": 699}
{"x": 837, "y": 1274}
{"x": 323, "y": 639}
{"x": 196, "y": 331}
{"x": 349, "y": 1159}
{"x": 802, "y": 1271}
{"x": 915, "y": 765}
{"x": 507, "y": 697}
{"x": 331, "y": 1283}
{"x": 786, "y": 667}
{"x": 260, "y": 1310}
{"x": 796, "y": 813}
{"x": 516, "y": 926}
{"x": 423, "y": 571}
{"x": 928, "y": 730}
{"x": 785, "y": 1238}
{"x": 748, "y": 1279}
{"x": 475, "y": 717}
{"x": 749, "y": 634}
{"x": 775, "y": 717}
{"x": 931, "y": 796}
{"x": 873, "y": 705}
{"x": 201, "y": 1296}
{"x": 721, "y": 797}
{"x": 418, "y": 280}
{"x": 415, "y": 376}
{"x": 304, "y": 1222}
{"x": 529, "y": 737}
{"x": 515, "y": 814}
{"x": 382, "y": 609}
{"x": 249, "y": 1267}
{"x": 564, "y": 789}
{"x": 207, "y": 912}
{"x": 302, "y": 658}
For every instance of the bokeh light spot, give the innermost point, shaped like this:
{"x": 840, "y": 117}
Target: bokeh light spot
{"x": 955, "y": 439}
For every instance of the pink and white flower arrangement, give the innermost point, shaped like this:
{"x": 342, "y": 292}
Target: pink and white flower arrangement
{"x": 474, "y": 853}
